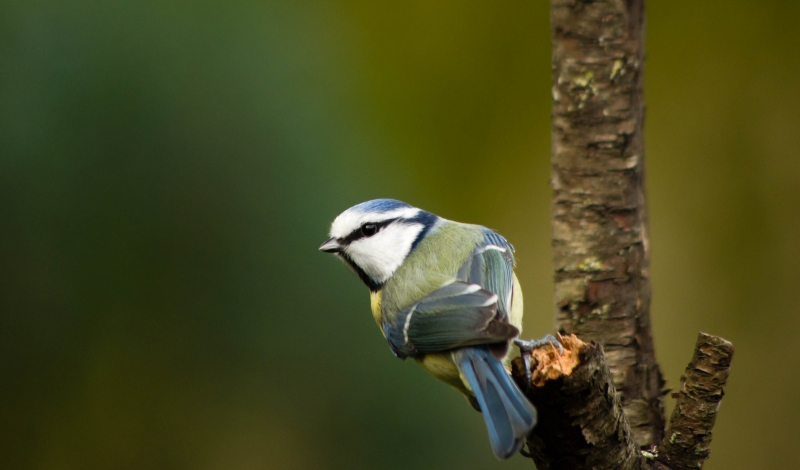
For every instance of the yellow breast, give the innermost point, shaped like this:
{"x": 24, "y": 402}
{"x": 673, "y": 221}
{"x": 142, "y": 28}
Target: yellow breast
{"x": 375, "y": 305}
{"x": 442, "y": 367}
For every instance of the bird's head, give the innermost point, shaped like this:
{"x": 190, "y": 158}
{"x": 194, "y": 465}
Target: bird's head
{"x": 375, "y": 237}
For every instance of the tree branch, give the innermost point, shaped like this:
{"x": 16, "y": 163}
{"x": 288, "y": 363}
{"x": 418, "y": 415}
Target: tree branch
{"x": 688, "y": 437}
{"x": 604, "y": 410}
{"x": 581, "y": 423}
{"x": 600, "y": 246}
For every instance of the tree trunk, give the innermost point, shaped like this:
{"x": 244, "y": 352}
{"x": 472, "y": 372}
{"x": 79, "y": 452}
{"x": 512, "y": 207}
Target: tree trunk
{"x": 600, "y": 401}
{"x": 599, "y": 217}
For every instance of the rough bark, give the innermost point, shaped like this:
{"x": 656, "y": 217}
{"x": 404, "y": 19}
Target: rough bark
{"x": 601, "y": 403}
{"x": 602, "y": 288}
{"x": 688, "y": 437}
{"x": 581, "y": 423}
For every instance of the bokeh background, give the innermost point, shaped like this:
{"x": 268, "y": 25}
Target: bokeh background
{"x": 168, "y": 169}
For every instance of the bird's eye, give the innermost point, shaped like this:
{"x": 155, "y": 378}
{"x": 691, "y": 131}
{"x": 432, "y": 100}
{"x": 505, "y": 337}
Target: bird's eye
{"x": 369, "y": 229}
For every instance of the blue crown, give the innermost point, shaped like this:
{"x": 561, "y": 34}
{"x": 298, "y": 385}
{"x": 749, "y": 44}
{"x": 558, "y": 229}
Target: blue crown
{"x": 380, "y": 205}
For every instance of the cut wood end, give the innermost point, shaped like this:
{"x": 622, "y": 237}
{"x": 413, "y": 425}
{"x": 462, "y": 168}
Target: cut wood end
{"x": 548, "y": 363}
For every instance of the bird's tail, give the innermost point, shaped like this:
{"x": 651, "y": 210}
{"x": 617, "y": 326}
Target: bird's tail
{"x": 509, "y": 416}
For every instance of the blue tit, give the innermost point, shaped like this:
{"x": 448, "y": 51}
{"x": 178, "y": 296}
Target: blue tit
{"x": 445, "y": 294}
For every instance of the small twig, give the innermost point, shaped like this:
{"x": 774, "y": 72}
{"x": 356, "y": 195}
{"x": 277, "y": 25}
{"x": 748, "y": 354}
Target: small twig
{"x": 686, "y": 443}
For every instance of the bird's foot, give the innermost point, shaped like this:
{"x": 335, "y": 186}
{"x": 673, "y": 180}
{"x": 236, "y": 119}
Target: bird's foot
{"x": 527, "y": 347}
{"x": 525, "y": 453}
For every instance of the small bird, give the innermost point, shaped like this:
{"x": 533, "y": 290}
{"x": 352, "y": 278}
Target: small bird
{"x": 445, "y": 294}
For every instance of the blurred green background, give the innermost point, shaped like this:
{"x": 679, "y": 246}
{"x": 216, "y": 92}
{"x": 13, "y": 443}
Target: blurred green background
{"x": 168, "y": 169}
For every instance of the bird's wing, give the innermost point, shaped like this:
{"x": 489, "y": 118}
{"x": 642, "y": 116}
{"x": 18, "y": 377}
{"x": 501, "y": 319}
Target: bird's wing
{"x": 491, "y": 266}
{"x": 456, "y": 315}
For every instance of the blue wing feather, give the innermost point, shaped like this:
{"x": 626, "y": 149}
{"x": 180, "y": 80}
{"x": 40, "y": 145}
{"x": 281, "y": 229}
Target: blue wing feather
{"x": 492, "y": 267}
{"x": 454, "y": 316}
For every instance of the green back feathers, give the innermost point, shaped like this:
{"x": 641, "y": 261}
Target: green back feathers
{"x": 434, "y": 262}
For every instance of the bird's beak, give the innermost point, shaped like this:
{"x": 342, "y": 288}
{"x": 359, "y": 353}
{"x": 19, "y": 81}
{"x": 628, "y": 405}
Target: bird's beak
{"x": 331, "y": 246}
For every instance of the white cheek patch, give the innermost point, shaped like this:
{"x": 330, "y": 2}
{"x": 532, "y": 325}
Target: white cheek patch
{"x": 351, "y": 220}
{"x": 381, "y": 254}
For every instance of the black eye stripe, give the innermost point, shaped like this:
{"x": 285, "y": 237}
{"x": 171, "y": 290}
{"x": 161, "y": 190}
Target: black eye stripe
{"x": 359, "y": 233}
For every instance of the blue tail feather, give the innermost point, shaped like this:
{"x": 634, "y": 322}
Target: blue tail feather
{"x": 509, "y": 416}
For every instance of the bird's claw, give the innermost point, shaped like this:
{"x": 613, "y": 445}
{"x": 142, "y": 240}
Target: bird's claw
{"x": 525, "y": 354}
{"x": 525, "y": 453}
{"x": 538, "y": 343}
{"x": 527, "y": 347}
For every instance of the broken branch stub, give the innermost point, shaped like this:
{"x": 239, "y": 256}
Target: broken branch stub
{"x": 581, "y": 422}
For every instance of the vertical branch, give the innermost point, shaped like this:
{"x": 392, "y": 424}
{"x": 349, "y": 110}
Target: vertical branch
{"x": 602, "y": 288}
